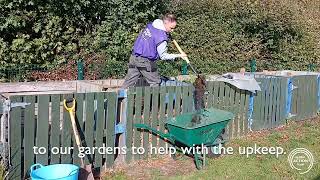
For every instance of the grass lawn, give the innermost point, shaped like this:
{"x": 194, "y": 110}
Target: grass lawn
{"x": 303, "y": 134}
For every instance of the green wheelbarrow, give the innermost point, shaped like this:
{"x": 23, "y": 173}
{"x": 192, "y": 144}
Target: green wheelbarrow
{"x": 206, "y": 133}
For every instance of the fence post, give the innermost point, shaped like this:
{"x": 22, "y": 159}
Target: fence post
{"x": 80, "y": 69}
{"x": 253, "y": 68}
{"x": 311, "y": 67}
{"x": 253, "y": 65}
{"x": 184, "y": 68}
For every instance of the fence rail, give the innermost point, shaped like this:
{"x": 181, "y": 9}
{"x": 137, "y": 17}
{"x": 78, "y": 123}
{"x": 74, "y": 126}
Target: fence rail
{"x": 45, "y": 123}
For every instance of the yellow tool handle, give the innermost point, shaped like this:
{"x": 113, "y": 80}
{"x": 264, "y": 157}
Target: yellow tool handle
{"x": 180, "y": 50}
{"x": 74, "y": 128}
{"x": 71, "y": 111}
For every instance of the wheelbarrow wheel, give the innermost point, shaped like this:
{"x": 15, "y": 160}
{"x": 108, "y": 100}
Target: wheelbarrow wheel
{"x": 213, "y": 151}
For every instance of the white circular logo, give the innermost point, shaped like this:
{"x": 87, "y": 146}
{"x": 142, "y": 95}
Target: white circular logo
{"x": 301, "y": 159}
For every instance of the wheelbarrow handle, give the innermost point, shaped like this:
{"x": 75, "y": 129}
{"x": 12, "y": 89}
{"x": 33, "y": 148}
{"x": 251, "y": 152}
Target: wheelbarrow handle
{"x": 153, "y": 130}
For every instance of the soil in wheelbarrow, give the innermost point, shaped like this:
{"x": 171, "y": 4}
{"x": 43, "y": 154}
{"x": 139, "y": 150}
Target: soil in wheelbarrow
{"x": 163, "y": 166}
{"x": 200, "y": 88}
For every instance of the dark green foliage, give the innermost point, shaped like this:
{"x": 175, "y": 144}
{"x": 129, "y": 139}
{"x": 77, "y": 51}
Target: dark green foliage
{"x": 52, "y": 32}
{"x": 218, "y": 36}
{"x": 222, "y": 36}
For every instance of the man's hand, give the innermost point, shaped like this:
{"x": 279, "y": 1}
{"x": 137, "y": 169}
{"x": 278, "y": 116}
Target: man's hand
{"x": 183, "y": 56}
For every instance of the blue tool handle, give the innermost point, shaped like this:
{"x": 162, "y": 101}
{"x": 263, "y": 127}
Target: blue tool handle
{"x": 34, "y": 167}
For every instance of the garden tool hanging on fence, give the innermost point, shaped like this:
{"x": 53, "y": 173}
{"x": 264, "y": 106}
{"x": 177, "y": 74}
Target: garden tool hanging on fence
{"x": 86, "y": 170}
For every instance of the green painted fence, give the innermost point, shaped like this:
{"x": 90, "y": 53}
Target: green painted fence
{"x": 153, "y": 106}
{"x": 304, "y": 98}
{"x": 270, "y": 103}
{"x": 227, "y": 97}
{"x": 45, "y": 123}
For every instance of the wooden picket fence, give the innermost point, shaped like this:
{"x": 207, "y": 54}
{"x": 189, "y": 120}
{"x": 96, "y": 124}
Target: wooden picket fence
{"x": 304, "y": 97}
{"x": 45, "y": 122}
{"x": 270, "y": 102}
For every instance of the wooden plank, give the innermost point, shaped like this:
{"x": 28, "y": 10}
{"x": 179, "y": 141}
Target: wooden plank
{"x": 232, "y": 109}
{"x": 100, "y": 124}
{"x": 309, "y": 83}
{"x": 221, "y": 95}
{"x": 226, "y": 106}
{"x": 216, "y": 88}
{"x": 15, "y": 140}
{"x": 237, "y": 108}
{"x": 177, "y": 104}
{"x": 146, "y": 120}
{"x": 245, "y": 114}
{"x": 226, "y": 98}
{"x": 129, "y": 126}
{"x": 209, "y": 99}
{"x": 162, "y": 116}
{"x": 122, "y": 118}
{"x": 112, "y": 99}
{"x": 185, "y": 99}
{"x": 302, "y": 93}
{"x": 299, "y": 99}
{"x": 29, "y": 129}
{"x": 295, "y": 94}
{"x": 270, "y": 102}
{"x": 154, "y": 113}
{"x": 283, "y": 100}
{"x": 38, "y": 86}
{"x": 242, "y": 109}
{"x": 302, "y": 99}
{"x": 138, "y": 119}
{"x": 43, "y": 128}
{"x": 278, "y": 103}
{"x": 80, "y": 99}
{"x": 260, "y": 101}
{"x": 190, "y": 99}
{"x": 307, "y": 95}
{"x": 274, "y": 102}
{"x": 315, "y": 97}
{"x": 171, "y": 92}
{"x": 266, "y": 104}
{"x": 66, "y": 134}
{"x": 256, "y": 115}
{"x": 55, "y": 128}
{"x": 89, "y": 122}
{"x": 263, "y": 103}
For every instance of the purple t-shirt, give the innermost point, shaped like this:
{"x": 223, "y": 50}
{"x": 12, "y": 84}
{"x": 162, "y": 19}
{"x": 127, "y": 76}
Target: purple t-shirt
{"x": 147, "y": 42}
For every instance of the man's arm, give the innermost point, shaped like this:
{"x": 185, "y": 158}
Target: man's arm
{"x": 162, "y": 51}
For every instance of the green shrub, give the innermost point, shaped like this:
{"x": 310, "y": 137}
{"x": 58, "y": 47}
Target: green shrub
{"x": 222, "y": 36}
{"x": 219, "y": 36}
{"x": 52, "y": 32}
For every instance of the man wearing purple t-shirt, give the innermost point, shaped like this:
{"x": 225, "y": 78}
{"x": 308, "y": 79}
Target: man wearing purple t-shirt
{"x": 150, "y": 45}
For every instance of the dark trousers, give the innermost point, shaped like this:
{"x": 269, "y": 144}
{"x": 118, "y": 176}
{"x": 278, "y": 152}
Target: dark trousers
{"x": 141, "y": 66}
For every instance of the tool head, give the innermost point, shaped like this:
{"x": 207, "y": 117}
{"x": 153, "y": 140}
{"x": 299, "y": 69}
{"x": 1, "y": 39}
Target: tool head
{"x": 66, "y": 101}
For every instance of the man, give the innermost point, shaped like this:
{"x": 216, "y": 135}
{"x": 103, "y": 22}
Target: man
{"x": 151, "y": 45}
